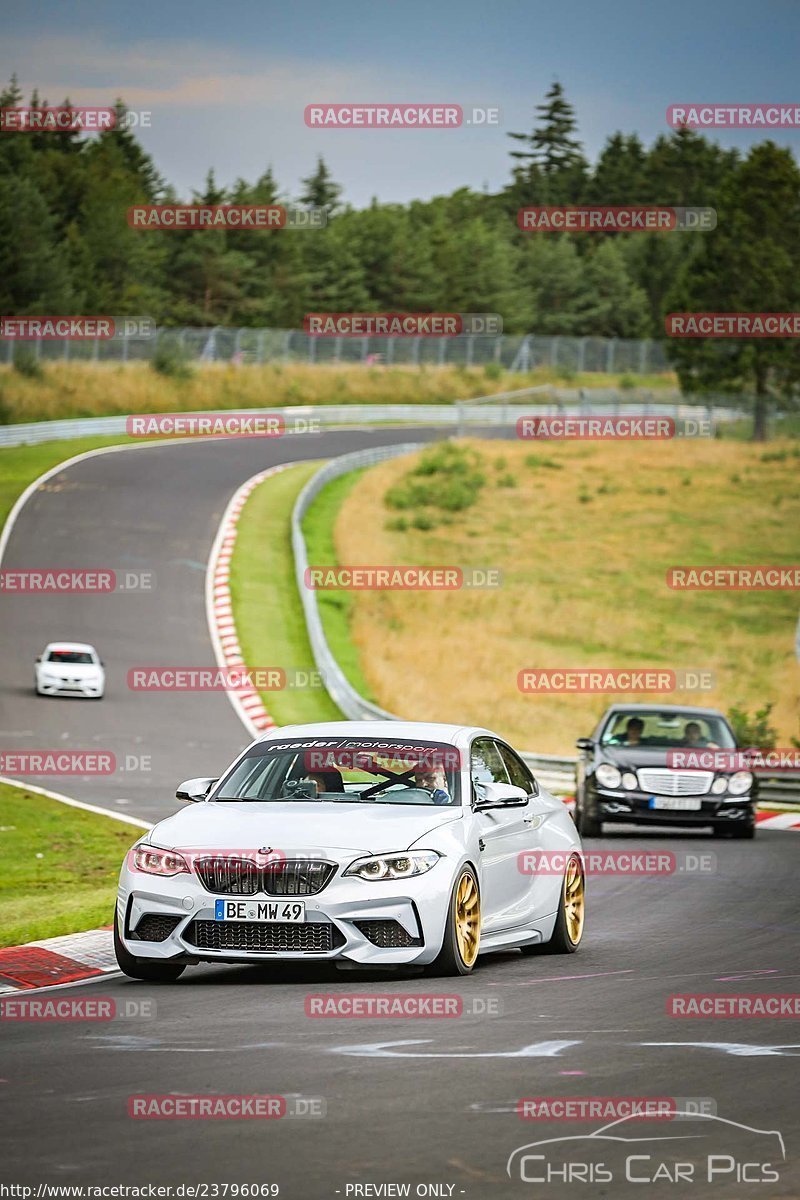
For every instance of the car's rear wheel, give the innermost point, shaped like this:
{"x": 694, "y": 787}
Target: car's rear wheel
{"x": 462, "y": 933}
{"x": 156, "y": 970}
{"x": 568, "y": 929}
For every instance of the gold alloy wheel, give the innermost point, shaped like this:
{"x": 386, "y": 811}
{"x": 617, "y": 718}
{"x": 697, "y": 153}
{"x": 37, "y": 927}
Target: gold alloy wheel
{"x": 574, "y": 900}
{"x": 468, "y": 919}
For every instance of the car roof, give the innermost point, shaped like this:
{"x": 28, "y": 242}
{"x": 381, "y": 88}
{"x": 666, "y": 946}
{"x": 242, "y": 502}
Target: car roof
{"x": 656, "y": 707}
{"x": 69, "y": 646}
{"x": 455, "y": 735}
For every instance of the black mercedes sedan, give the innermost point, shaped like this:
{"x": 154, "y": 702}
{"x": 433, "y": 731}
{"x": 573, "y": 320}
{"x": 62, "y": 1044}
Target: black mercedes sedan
{"x": 663, "y": 765}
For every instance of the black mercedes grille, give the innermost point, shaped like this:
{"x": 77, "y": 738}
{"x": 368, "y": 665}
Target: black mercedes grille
{"x": 242, "y": 877}
{"x": 155, "y": 927}
{"x": 389, "y": 935}
{"x": 277, "y": 936}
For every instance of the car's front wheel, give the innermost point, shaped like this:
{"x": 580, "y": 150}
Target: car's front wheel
{"x": 462, "y": 933}
{"x": 568, "y": 929}
{"x": 587, "y": 826}
{"x": 156, "y": 970}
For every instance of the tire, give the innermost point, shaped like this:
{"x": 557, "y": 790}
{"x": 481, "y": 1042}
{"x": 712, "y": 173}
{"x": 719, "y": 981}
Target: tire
{"x": 568, "y": 930}
{"x": 459, "y": 953}
{"x": 588, "y": 826}
{"x": 144, "y": 968}
{"x": 746, "y": 831}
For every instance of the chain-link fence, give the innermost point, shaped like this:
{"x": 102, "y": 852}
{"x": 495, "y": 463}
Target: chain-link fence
{"x": 245, "y": 346}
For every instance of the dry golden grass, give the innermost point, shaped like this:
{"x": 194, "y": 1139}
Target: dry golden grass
{"x": 584, "y": 583}
{"x": 82, "y": 390}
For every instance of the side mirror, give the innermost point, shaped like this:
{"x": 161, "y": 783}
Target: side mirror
{"x": 101, "y": 661}
{"x": 499, "y": 795}
{"x": 194, "y": 790}
{"x": 585, "y": 744}
{"x": 39, "y": 659}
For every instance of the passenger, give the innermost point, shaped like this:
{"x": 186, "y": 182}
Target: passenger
{"x": 693, "y": 735}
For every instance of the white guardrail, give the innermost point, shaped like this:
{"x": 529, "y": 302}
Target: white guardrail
{"x": 555, "y": 772}
{"x": 499, "y": 409}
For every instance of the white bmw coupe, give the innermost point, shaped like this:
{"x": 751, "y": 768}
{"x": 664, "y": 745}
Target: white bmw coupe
{"x": 369, "y": 843}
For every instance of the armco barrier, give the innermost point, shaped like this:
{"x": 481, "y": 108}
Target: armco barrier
{"x": 554, "y": 772}
{"x": 502, "y": 409}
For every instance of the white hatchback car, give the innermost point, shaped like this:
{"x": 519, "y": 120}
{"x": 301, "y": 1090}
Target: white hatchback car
{"x": 368, "y": 843}
{"x": 70, "y": 668}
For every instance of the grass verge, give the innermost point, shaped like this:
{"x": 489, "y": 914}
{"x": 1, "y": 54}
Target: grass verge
{"x": 65, "y": 390}
{"x": 58, "y": 866}
{"x": 335, "y": 606}
{"x": 583, "y": 534}
{"x": 269, "y": 615}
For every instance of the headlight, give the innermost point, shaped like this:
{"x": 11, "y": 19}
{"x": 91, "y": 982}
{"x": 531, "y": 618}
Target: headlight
{"x": 740, "y": 783}
{"x": 608, "y": 776}
{"x": 719, "y": 785}
{"x": 630, "y": 781}
{"x": 155, "y": 861}
{"x": 393, "y": 866}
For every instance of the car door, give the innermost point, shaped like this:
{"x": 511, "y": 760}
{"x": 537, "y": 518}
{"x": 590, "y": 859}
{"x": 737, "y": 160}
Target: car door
{"x": 503, "y": 834}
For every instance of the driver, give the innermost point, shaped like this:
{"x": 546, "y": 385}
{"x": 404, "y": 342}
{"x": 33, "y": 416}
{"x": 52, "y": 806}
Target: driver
{"x": 432, "y": 778}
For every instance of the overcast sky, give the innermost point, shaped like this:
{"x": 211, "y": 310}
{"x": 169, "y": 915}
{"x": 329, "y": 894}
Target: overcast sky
{"x": 227, "y": 83}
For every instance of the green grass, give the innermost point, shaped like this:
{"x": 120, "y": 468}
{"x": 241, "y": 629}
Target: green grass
{"x": 335, "y": 606}
{"x": 20, "y": 465}
{"x": 269, "y": 615}
{"x": 58, "y": 866}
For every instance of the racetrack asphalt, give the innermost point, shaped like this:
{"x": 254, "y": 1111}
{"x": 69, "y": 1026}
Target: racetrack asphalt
{"x": 421, "y": 1101}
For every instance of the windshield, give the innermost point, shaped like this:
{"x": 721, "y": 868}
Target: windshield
{"x": 661, "y": 730}
{"x": 341, "y": 771}
{"x": 69, "y": 656}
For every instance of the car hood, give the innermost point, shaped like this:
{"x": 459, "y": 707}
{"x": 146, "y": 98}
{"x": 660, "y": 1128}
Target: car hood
{"x": 299, "y": 827}
{"x": 638, "y": 756}
{"x": 71, "y": 670}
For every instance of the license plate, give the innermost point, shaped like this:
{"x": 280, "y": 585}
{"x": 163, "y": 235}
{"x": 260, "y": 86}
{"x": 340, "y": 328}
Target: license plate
{"x": 292, "y": 911}
{"x": 679, "y": 803}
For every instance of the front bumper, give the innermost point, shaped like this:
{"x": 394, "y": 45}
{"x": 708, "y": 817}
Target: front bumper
{"x": 634, "y": 808}
{"x": 91, "y": 688}
{"x": 411, "y": 911}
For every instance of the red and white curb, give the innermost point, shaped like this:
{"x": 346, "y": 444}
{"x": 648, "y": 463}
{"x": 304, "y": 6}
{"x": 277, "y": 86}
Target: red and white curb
{"x": 219, "y": 607}
{"x": 72, "y": 959}
{"x": 778, "y": 820}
